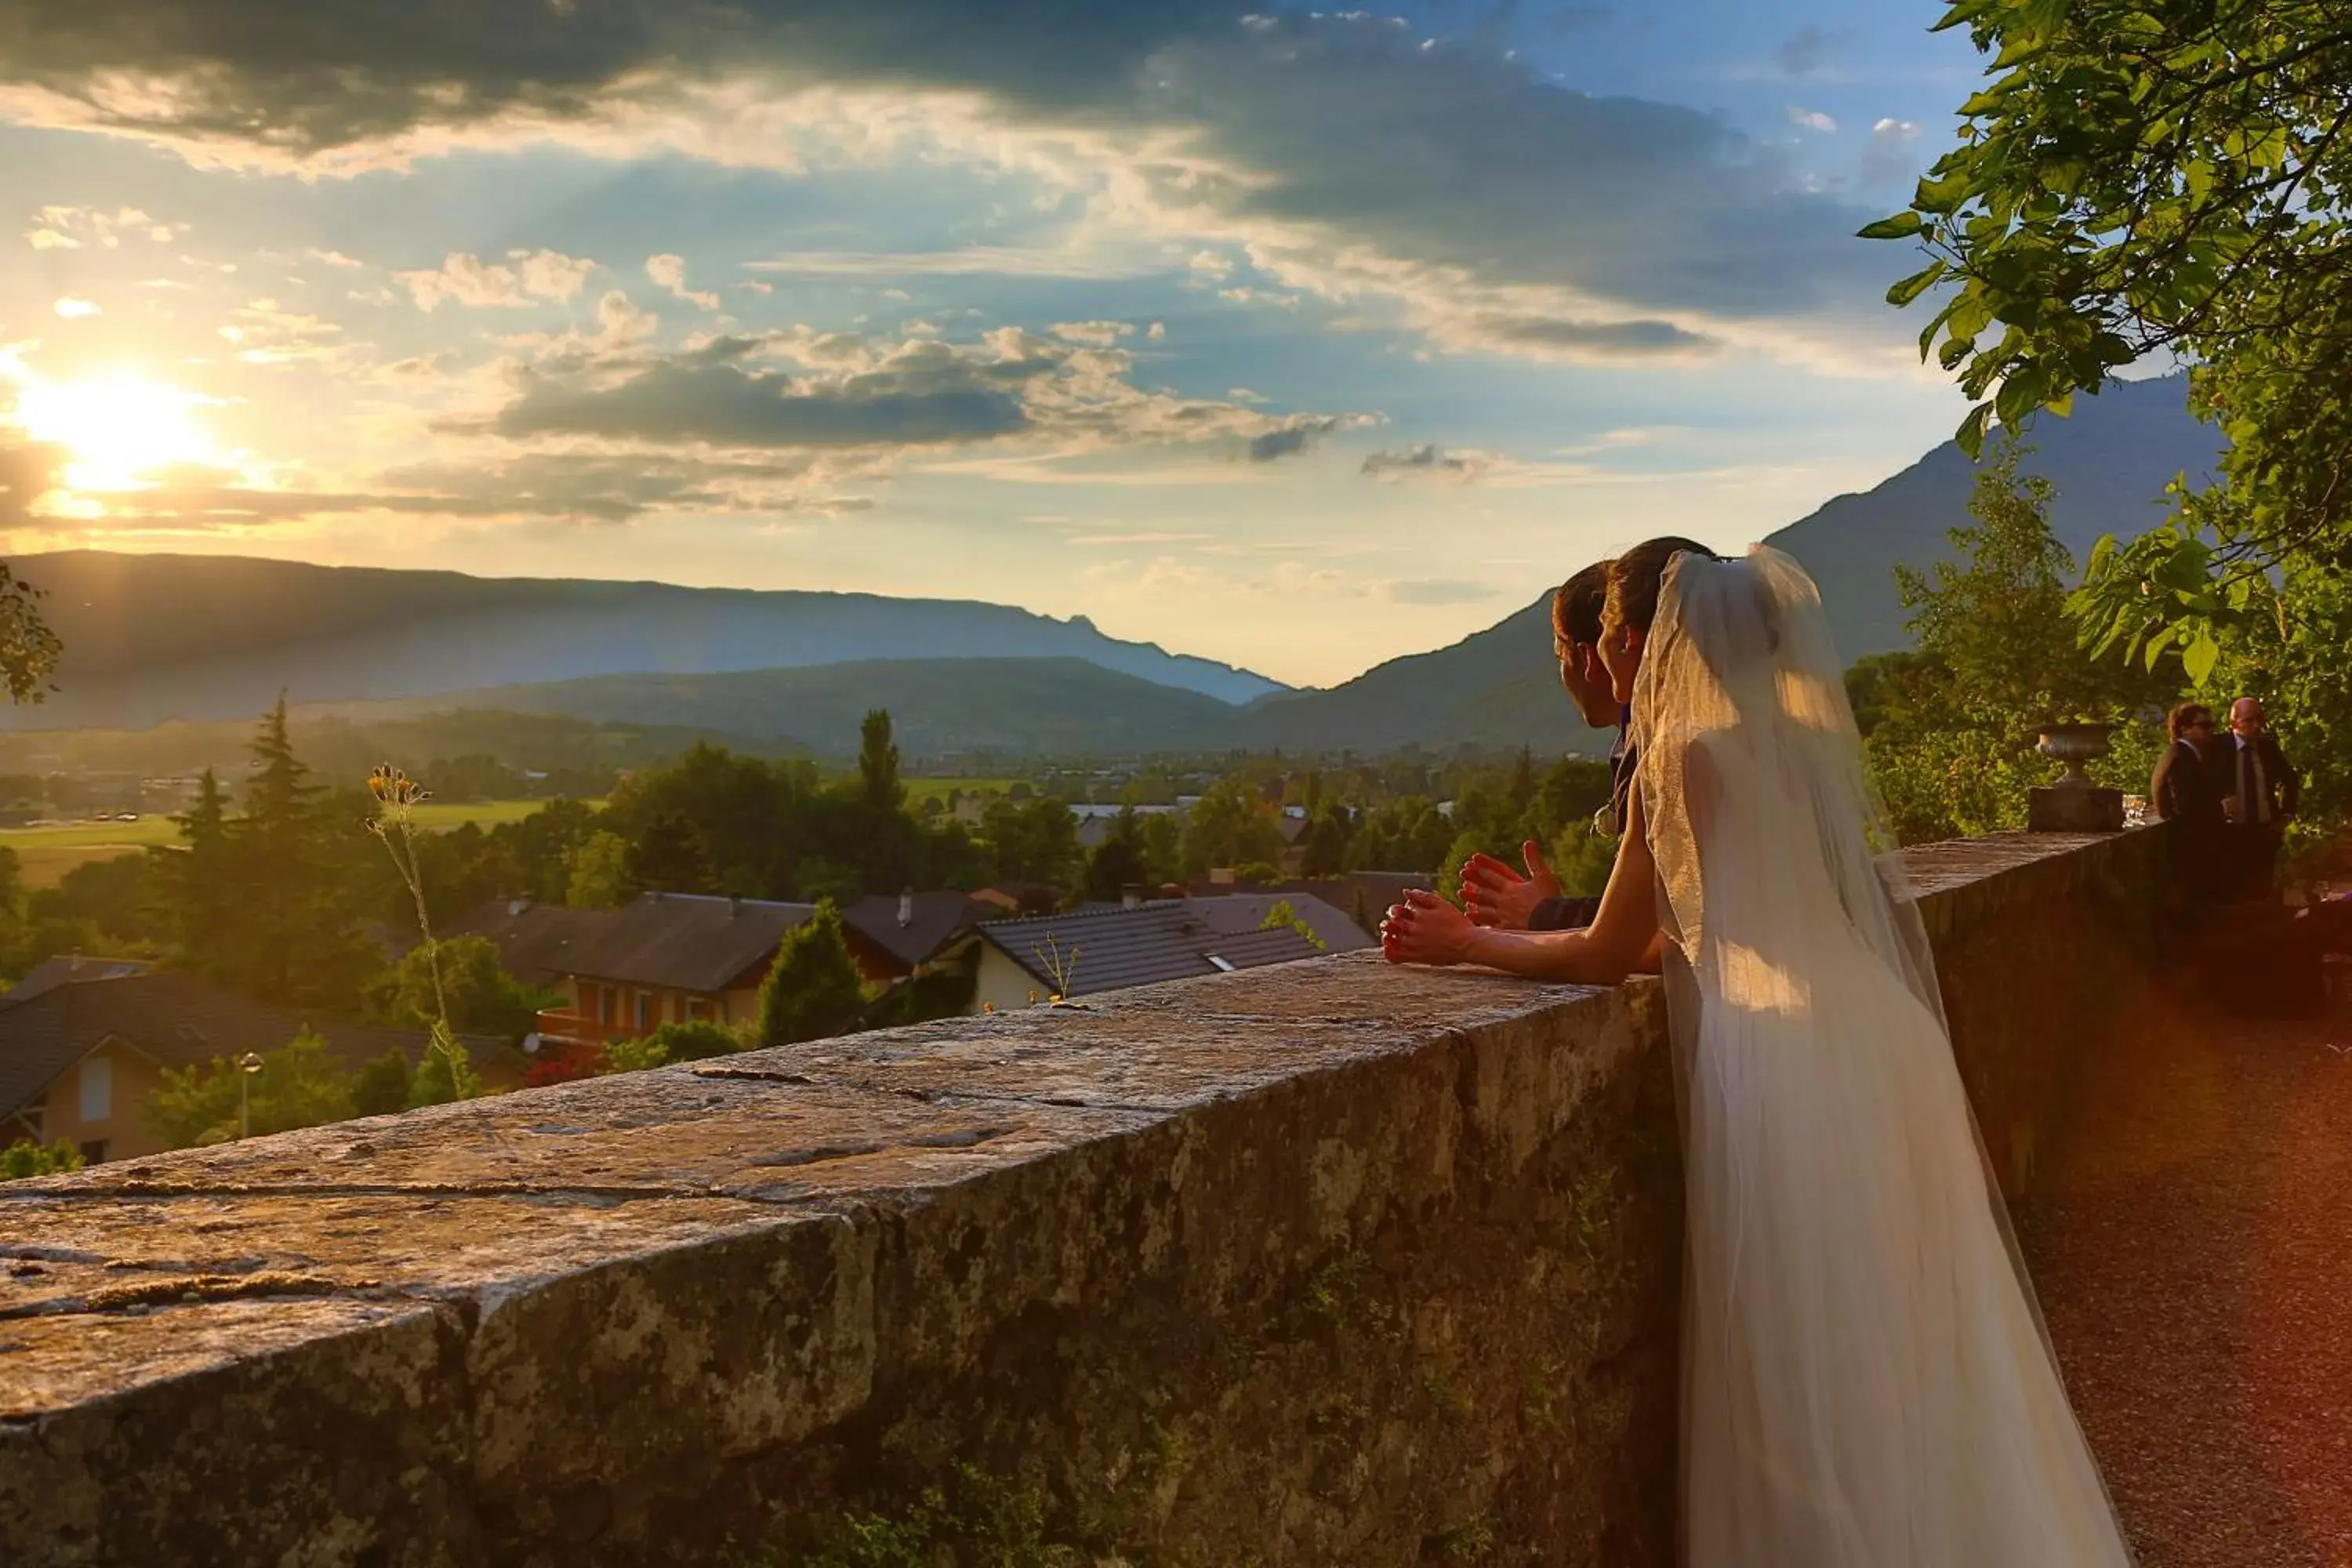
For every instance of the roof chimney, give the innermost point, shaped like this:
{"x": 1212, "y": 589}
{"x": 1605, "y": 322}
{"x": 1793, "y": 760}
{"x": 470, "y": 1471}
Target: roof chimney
{"x": 1131, "y": 896}
{"x": 734, "y": 908}
{"x": 907, "y": 908}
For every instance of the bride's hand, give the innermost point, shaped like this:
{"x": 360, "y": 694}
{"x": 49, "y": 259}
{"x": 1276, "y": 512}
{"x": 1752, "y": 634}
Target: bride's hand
{"x": 1425, "y": 928}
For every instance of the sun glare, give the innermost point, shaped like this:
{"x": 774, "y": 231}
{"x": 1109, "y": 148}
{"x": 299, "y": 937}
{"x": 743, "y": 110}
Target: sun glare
{"x": 122, "y": 429}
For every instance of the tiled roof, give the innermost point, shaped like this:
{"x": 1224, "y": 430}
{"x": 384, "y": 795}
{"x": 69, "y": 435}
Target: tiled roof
{"x": 684, "y": 941}
{"x": 1247, "y": 912}
{"x": 51, "y": 972}
{"x": 537, "y": 943}
{"x": 1112, "y": 949}
{"x": 179, "y": 1020}
{"x": 938, "y": 919}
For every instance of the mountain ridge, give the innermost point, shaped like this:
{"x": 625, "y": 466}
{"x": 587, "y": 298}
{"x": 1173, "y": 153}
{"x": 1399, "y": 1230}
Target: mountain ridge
{"x": 150, "y": 639}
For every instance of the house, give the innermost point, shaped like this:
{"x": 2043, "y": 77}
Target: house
{"x": 1103, "y": 948}
{"x": 668, "y": 958}
{"x": 51, "y": 972}
{"x": 80, "y": 1057}
{"x": 913, "y": 934}
{"x": 1019, "y": 897}
{"x": 537, "y": 943}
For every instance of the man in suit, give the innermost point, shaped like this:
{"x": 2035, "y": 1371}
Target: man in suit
{"x": 2262, "y": 793}
{"x": 1493, "y": 894}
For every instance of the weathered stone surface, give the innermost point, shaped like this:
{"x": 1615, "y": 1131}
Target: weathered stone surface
{"x": 1329, "y": 1263}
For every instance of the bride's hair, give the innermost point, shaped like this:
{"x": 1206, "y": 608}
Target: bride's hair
{"x": 1636, "y": 576}
{"x": 1576, "y": 608}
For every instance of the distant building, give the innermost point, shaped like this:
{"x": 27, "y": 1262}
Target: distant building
{"x": 913, "y": 934}
{"x": 1101, "y": 948}
{"x": 667, "y": 958}
{"x": 80, "y": 1053}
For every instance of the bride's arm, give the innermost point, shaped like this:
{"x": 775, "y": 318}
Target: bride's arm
{"x": 1622, "y": 940}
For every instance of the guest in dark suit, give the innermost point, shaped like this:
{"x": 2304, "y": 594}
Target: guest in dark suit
{"x": 1493, "y": 894}
{"x": 2186, "y": 793}
{"x": 2260, "y": 797}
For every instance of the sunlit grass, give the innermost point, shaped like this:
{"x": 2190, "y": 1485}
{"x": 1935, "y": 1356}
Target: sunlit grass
{"x": 47, "y": 853}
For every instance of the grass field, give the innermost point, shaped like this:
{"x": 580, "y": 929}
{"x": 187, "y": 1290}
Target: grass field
{"x": 46, "y": 854}
{"x": 921, "y": 790}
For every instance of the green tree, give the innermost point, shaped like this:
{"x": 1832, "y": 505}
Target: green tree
{"x": 2145, "y": 177}
{"x": 299, "y": 1084}
{"x": 696, "y": 1039}
{"x": 444, "y": 1073}
{"x": 1952, "y": 749}
{"x": 1325, "y": 850}
{"x": 481, "y": 997}
{"x": 631, "y": 1056}
{"x": 1035, "y": 840}
{"x": 290, "y": 927}
{"x": 29, "y": 649}
{"x": 198, "y": 880}
{"x": 383, "y": 1085}
{"x": 1281, "y": 916}
{"x": 877, "y": 764}
{"x": 1229, "y": 826}
{"x": 812, "y": 990}
{"x": 600, "y": 872}
{"x": 25, "y": 1158}
{"x": 1118, "y": 862}
{"x": 667, "y": 857}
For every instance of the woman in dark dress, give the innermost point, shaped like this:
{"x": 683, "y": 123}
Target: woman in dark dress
{"x": 2185, "y": 792}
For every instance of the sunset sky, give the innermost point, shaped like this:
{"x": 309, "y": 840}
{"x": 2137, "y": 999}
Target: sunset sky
{"x": 1295, "y": 339}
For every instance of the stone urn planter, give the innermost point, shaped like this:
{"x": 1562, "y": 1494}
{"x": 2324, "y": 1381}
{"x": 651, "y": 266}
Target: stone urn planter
{"x": 2073, "y": 804}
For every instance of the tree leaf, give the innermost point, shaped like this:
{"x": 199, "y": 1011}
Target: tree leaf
{"x": 2199, "y": 657}
{"x": 1902, "y": 226}
{"x": 1971, "y": 433}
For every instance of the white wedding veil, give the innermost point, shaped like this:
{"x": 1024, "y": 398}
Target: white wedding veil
{"x": 1740, "y": 670}
{"x": 1867, "y": 1381}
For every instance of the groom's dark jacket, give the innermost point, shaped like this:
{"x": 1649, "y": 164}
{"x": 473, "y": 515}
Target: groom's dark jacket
{"x": 1574, "y": 914}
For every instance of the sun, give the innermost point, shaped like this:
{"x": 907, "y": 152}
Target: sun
{"x": 121, "y": 428}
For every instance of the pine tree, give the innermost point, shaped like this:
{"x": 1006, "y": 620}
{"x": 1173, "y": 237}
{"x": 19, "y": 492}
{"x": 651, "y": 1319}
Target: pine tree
{"x": 877, "y": 763}
{"x": 812, "y": 990}
{"x": 667, "y": 859}
{"x": 198, "y": 880}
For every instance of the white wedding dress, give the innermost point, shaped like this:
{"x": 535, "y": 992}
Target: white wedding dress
{"x": 1866, "y": 1381}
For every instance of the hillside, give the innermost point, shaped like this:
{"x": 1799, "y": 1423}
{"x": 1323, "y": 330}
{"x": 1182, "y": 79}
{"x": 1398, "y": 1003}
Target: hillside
{"x": 154, "y": 637}
{"x": 1498, "y": 689}
{"x": 937, "y": 707}
{"x": 2110, "y": 464}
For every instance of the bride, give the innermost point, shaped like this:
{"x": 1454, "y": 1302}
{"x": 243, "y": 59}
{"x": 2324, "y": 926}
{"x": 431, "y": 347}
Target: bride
{"x": 1866, "y": 1383}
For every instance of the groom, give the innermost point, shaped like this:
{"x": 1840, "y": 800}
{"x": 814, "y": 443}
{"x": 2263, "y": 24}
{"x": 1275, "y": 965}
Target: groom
{"x": 1492, "y": 893}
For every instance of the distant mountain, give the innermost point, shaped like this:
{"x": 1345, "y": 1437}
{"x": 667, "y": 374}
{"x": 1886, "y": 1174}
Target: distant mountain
{"x": 155, "y": 637}
{"x": 1499, "y": 689}
{"x": 2110, "y": 464}
{"x": 1024, "y": 706}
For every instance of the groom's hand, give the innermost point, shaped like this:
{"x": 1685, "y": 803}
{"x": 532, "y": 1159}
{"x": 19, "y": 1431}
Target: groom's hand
{"x": 1494, "y": 895}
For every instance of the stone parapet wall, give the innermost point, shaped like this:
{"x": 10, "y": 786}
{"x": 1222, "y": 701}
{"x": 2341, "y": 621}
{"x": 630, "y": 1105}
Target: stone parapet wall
{"x": 1330, "y": 1263}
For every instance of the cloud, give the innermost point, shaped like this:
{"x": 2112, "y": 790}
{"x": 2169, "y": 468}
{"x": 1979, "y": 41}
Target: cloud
{"x": 466, "y": 279}
{"x": 1428, "y": 591}
{"x": 29, "y": 470}
{"x": 72, "y": 228}
{"x": 265, "y": 333}
{"x": 669, "y": 272}
{"x": 1100, "y": 334}
{"x": 828, "y": 392}
{"x": 1341, "y": 158}
{"x": 1811, "y": 119}
{"x": 1602, "y": 340}
{"x": 72, "y": 308}
{"x": 972, "y": 261}
{"x": 1891, "y": 156}
{"x": 1426, "y": 460}
{"x": 1805, "y": 51}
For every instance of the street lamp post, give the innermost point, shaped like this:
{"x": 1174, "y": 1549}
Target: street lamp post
{"x": 247, "y": 1065}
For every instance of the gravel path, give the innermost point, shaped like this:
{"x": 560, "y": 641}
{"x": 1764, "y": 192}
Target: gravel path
{"x": 2194, "y": 1259}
